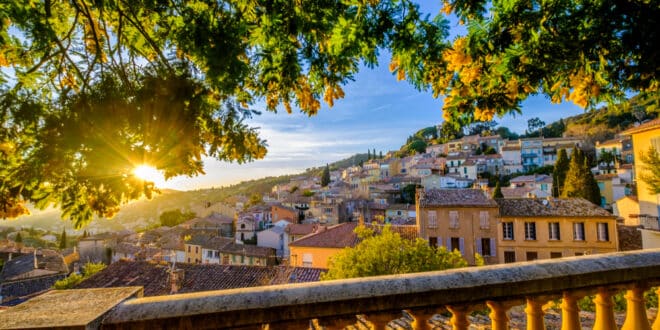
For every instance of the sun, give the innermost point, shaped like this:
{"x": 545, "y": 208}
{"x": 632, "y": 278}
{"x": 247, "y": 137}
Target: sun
{"x": 149, "y": 173}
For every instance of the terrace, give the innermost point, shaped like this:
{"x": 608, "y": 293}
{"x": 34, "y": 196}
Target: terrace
{"x": 407, "y": 301}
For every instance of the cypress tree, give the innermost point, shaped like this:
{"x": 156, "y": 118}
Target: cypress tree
{"x": 368, "y": 154}
{"x": 559, "y": 172}
{"x": 19, "y": 238}
{"x": 592, "y": 190}
{"x": 63, "y": 240}
{"x": 497, "y": 193}
{"x": 325, "y": 177}
{"x": 580, "y": 182}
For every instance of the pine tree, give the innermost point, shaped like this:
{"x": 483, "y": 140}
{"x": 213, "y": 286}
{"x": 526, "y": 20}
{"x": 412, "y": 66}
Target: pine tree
{"x": 497, "y": 193}
{"x": 63, "y": 240}
{"x": 559, "y": 172}
{"x": 325, "y": 177}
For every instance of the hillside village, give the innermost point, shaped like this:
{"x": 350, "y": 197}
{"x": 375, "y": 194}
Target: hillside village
{"x": 443, "y": 195}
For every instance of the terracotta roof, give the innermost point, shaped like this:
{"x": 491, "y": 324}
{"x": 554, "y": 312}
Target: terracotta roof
{"x": 522, "y": 192}
{"x": 606, "y": 176}
{"x": 301, "y": 229}
{"x": 532, "y": 178}
{"x": 455, "y": 197}
{"x": 155, "y": 278}
{"x": 653, "y": 124}
{"x": 247, "y": 250}
{"x": 338, "y": 236}
{"x": 408, "y": 232}
{"x": 553, "y": 207}
{"x": 18, "y": 266}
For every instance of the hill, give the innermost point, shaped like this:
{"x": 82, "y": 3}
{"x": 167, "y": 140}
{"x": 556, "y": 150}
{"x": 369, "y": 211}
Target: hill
{"x": 143, "y": 213}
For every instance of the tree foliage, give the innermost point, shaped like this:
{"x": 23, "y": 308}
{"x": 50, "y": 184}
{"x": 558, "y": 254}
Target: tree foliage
{"x": 579, "y": 180}
{"x": 325, "y": 176}
{"x": 63, "y": 241}
{"x": 497, "y": 193}
{"x": 74, "y": 279}
{"x": 651, "y": 170}
{"x": 388, "y": 253}
{"x": 91, "y": 89}
{"x": 559, "y": 172}
{"x": 175, "y": 217}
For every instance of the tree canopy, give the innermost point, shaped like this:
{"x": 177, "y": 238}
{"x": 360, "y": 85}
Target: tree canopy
{"x": 388, "y": 253}
{"x": 651, "y": 170}
{"x": 91, "y": 89}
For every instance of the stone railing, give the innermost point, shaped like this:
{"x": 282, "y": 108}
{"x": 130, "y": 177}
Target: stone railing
{"x": 411, "y": 300}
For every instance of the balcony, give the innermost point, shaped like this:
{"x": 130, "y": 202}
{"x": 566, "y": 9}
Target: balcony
{"x": 403, "y": 301}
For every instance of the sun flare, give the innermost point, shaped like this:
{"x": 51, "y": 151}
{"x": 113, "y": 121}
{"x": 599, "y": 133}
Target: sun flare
{"x": 149, "y": 173}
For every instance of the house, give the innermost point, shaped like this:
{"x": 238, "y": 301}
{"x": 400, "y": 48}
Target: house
{"x": 125, "y": 250}
{"x": 246, "y": 228}
{"x": 511, "y": 158}
{"x": 281, "y": 212}
{"x": 460, "y": 219}
{"x": 532, "y": 228}
{"x": 298, "y": 231}
{"x": 612, "y": 188}
{"x": 161, "y": 279}
{"x": 315, "y": 250}
{"x": 194, "y": 246}
{"x": 222, "y": 224}
{"x": 211, "y": 248}
{"x": 644, "y": 137}
{"x": 531, "y": 153}
{"x": 551, "y": 147}
{"x": 276, "y": 238}
{"x": 31, "y": 273}
{"x": 540, "y": 182}
{"x": 435, "y": 181}
{"x": 247, "y": 255}
{"x": 400, "y": 214}
{"x": 98, "y": 248}
{"x": 620, "y": 147}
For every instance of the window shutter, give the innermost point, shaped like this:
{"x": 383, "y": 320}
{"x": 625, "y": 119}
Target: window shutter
{"x": 461, "y": 245}
{"x": 439, "y": 241}
{"x": 492, "y": 248}
{"x": 479, "y": 249}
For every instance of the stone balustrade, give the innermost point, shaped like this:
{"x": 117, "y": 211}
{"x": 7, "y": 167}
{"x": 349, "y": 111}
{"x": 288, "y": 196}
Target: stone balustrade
{"x": 378, "y": 301}
{"x": 409, "y": 301}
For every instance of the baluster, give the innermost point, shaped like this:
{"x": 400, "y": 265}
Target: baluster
{"x": 570, "y": 314}
{"x": 534, "y": 311}
{"x": 376, "y": 321}
{"x": 459, "y": 315}
{"x": 636, "y": 318}
{"x": 604, "y": 310}
{"x": 499, "y": 318}
{"x": 420, "y": 318}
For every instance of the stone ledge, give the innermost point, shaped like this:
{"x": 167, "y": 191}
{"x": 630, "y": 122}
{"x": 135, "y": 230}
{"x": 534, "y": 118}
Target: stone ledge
{"x": 72, "y": 309}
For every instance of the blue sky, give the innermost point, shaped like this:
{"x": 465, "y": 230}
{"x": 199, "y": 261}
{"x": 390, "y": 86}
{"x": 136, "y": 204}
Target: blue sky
{"x": 377, "y": 112}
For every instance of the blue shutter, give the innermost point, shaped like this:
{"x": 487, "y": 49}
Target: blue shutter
{"x": 479, "y": 248}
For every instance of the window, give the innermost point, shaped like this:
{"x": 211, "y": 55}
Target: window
{"x": 188, "y": 250}
{"x": 578, "y": 231}
{"x": 484, "y": 222}
{"x": 217, "y": 254}
{"x": 433, "y": 242}
{"x": 530, "y": 231}
{"x": 196, "y": 249}
{"x": 555, "y": 255}
{"x": 553, "y": 231}
{"x": 225, "y": 259}
{"x": 454, "y": 244}
{"x": 603, "y": 232}
{"x": 507, "y": 231}
{"x": 453, "y": 219}
{"x": 578, "y": 254}
{"x": 307, "y": 260}
{"x": 485, "y": 247}
{"x": 209, "y": 254}
{"x": 509, "y": 257}
{"x": 433, "y": 219}
{"x": 531, "y": 256}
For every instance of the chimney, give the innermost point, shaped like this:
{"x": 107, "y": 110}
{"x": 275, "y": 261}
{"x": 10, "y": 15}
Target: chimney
{"x": 176, "y": 280}
{"x": 10, "y": 255}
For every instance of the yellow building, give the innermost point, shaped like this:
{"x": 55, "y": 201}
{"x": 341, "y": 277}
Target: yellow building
{"x": 193, "y": 249}
{"x": 315, "y": 250}
{"x": 459, "y": 219}
{"x": 533, "y": 229}
{"x": 644, "y": 137}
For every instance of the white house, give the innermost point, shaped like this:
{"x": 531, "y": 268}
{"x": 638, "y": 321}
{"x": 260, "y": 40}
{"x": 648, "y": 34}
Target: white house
{"x": 444, "y": 181}
{"x": 276, "y": 238}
